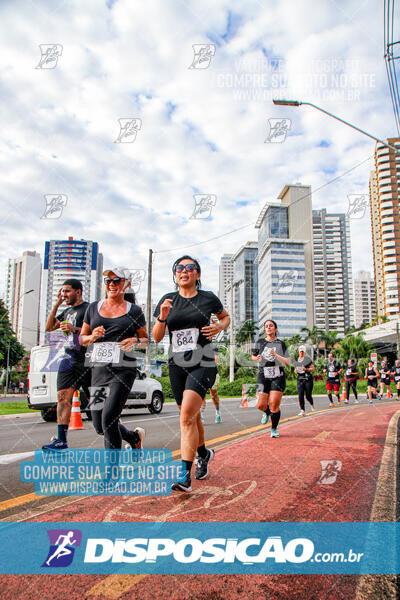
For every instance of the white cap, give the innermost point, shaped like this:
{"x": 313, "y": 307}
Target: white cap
{"x": 302, "y": 348}
{"x": 122, "y": 272}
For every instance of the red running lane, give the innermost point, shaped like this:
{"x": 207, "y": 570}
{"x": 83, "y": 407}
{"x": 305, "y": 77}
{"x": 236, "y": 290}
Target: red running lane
{"x": 259, "y": 479}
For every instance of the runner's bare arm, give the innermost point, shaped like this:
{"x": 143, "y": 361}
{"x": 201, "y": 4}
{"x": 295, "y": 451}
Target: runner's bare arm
{"x": 52, "y": 323}
{"x": 159, "y": 328}
{"x": 140, "y": 341}
{"x": 209, "y": 331}
{"x": 88, "y": 337}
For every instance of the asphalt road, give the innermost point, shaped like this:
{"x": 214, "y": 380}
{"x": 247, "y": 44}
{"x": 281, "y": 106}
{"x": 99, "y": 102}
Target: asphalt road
{"x": 21, "y": 435}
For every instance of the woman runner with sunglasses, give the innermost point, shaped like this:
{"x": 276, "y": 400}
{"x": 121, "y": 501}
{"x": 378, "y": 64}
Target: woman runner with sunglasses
{"x": 114, "y": 327}
{"x": 192, "y": 370}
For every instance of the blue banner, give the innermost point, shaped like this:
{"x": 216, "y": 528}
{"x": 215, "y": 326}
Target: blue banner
{"x": 85, "y": 472}
{"x": 200, "y": 548}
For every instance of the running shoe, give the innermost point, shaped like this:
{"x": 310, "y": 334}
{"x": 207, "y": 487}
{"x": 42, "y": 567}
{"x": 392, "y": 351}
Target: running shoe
{"x": 339, "y": 402}
{"x": 356, "y": 401}
{"x": 137, "y": 440}
{"x": 332, "y": 404}
{"x": 346, "y": 401}
{"x": 218, "y": 418}
{"x": 313, "y": 409}
{"x": 274, "y": 433}
{"x": 56, "y": 445}
{"x": 202, "y": 465}
{"x": 183, "y": 486}
{"x": 301, "y": 413}
{"x": 202, "y": 419}
{"x": 371, "y": 402}
{"x": 264, "y": 419}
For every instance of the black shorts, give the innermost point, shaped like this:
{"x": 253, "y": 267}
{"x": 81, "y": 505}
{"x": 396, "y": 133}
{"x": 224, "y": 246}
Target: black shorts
{"x": 72, "y": 374}
{"x": 386, "y": 381}
{"x": 198, "y": 379}
{"x": 373, "y": 383}
{"x": 266, "y": 386}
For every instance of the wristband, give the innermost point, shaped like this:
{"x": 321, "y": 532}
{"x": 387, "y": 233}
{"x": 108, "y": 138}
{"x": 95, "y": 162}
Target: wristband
{"x": 161, "y": 320}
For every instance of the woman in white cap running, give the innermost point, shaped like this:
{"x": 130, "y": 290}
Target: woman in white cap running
{"x": 304, "y": 369}
{"x": 113, "y": 327}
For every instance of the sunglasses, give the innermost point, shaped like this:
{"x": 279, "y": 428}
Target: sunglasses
{"x": 116, "y": 280}
{"x": 189, "y": 268}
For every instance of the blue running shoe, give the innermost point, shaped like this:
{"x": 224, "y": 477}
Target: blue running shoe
{"x": 56, "y": 445}
{"x": 274, "y": 433}
{"x": 264, "y": 419}
{"x": 218, "y": 418}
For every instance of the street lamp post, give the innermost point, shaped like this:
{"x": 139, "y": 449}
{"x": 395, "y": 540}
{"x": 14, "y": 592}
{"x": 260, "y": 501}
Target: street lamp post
{"x": 299, "y": 103}
{"x": 229, "y": 288}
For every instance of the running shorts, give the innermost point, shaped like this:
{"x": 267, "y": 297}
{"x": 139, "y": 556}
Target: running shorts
{"x": 332, "y": 385}
{"x": 373, "y": 383}
{"x": 72, "y": 374}
{"x": 198, "y": 379}
{"x": 277, "y": 384}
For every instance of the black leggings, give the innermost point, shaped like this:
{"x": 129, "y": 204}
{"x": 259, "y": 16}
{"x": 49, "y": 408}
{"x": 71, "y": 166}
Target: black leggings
{"x": 106, "y": 421}
{"x": 353, "y": 385}
{"x": 305, "y": 386}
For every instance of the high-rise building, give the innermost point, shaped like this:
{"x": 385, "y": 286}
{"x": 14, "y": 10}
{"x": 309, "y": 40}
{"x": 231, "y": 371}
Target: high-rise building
{"x": 22, "y": 297}
{"x": 70, "y": 259}
{"x": 385, "y": 224}
{"x": 332, "y": 271}
{"x": 245, "y": 281}
{"x": 364, "y": 298}
{"x": 225, "y": 278}
{"x": 285, "y": 274}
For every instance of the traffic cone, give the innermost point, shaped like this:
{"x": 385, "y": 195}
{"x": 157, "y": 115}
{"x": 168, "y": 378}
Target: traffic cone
{"x": 244, "y": 403}
{"x": 75, "y": 421}
{"x": 344, "y": 395}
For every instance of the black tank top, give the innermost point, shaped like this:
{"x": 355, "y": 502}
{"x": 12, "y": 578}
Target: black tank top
{"x": 371, "y": 372}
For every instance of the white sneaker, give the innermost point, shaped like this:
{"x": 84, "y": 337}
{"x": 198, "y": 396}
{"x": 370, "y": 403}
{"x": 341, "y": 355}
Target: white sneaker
{"x": 301, "y": 413}
{"x": 313, "y": 409}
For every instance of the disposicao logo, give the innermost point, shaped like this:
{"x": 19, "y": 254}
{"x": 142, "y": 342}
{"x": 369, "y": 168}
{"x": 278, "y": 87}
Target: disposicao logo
{"x": 62, "y": 547}
{"x": 190, "y": 550}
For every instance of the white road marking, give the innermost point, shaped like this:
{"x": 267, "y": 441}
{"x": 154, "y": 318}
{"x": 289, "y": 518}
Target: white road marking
{"x": 7, "y": 459}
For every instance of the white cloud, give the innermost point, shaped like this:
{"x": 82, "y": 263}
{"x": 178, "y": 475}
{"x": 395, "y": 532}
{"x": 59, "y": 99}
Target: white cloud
{"x": 60, "y": 125}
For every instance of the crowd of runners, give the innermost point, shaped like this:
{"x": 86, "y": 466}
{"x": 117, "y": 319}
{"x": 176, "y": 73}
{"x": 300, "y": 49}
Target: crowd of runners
{"x": 99, "y": 343}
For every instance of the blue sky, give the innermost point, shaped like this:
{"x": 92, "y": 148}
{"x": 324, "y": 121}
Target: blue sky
{"x": 201, "y": 130}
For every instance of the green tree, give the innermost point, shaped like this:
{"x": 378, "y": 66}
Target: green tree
{"x": 331, "y": 338}
{"x": 380, "y": 319}
{"x": 8, "y": 342}
{"x": 353, "y": 347}
{"x": 314, "y": 335}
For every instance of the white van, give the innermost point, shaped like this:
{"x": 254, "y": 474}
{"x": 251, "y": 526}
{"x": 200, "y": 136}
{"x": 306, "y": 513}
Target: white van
{"x": 42, "y": 386}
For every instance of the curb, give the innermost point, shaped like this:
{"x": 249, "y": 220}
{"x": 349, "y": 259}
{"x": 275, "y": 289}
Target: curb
{"x": 384, "y": 587}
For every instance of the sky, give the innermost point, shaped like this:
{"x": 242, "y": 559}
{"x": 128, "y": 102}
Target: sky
{"x": 129, "y": 111}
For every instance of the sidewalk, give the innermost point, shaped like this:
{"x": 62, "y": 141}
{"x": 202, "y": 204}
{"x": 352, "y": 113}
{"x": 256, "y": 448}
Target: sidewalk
{"x": 335, "y": 466}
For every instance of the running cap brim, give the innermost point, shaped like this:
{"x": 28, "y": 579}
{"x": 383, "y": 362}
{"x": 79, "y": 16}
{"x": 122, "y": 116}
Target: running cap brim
{"x": 119, "y": 272}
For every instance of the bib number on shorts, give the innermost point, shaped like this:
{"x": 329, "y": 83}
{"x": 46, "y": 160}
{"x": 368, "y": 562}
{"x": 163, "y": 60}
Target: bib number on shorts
{"x": 271, "y": 372}
{"x": 106, "y": 352}
{"x": 185, "y": 339}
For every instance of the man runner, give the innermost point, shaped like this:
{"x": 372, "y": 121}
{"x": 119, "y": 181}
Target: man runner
{"x": 333, "y": 370}
{"x": 72, "y": 373}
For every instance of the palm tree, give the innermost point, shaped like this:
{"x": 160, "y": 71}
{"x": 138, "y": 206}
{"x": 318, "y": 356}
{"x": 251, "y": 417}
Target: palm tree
{"x": 380, "y": 319}
{"x": 246, "y": 333}
{"x": 354, "y": 347}
{"x": 315, "y": 335}
{"x": 330, "y": 338}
